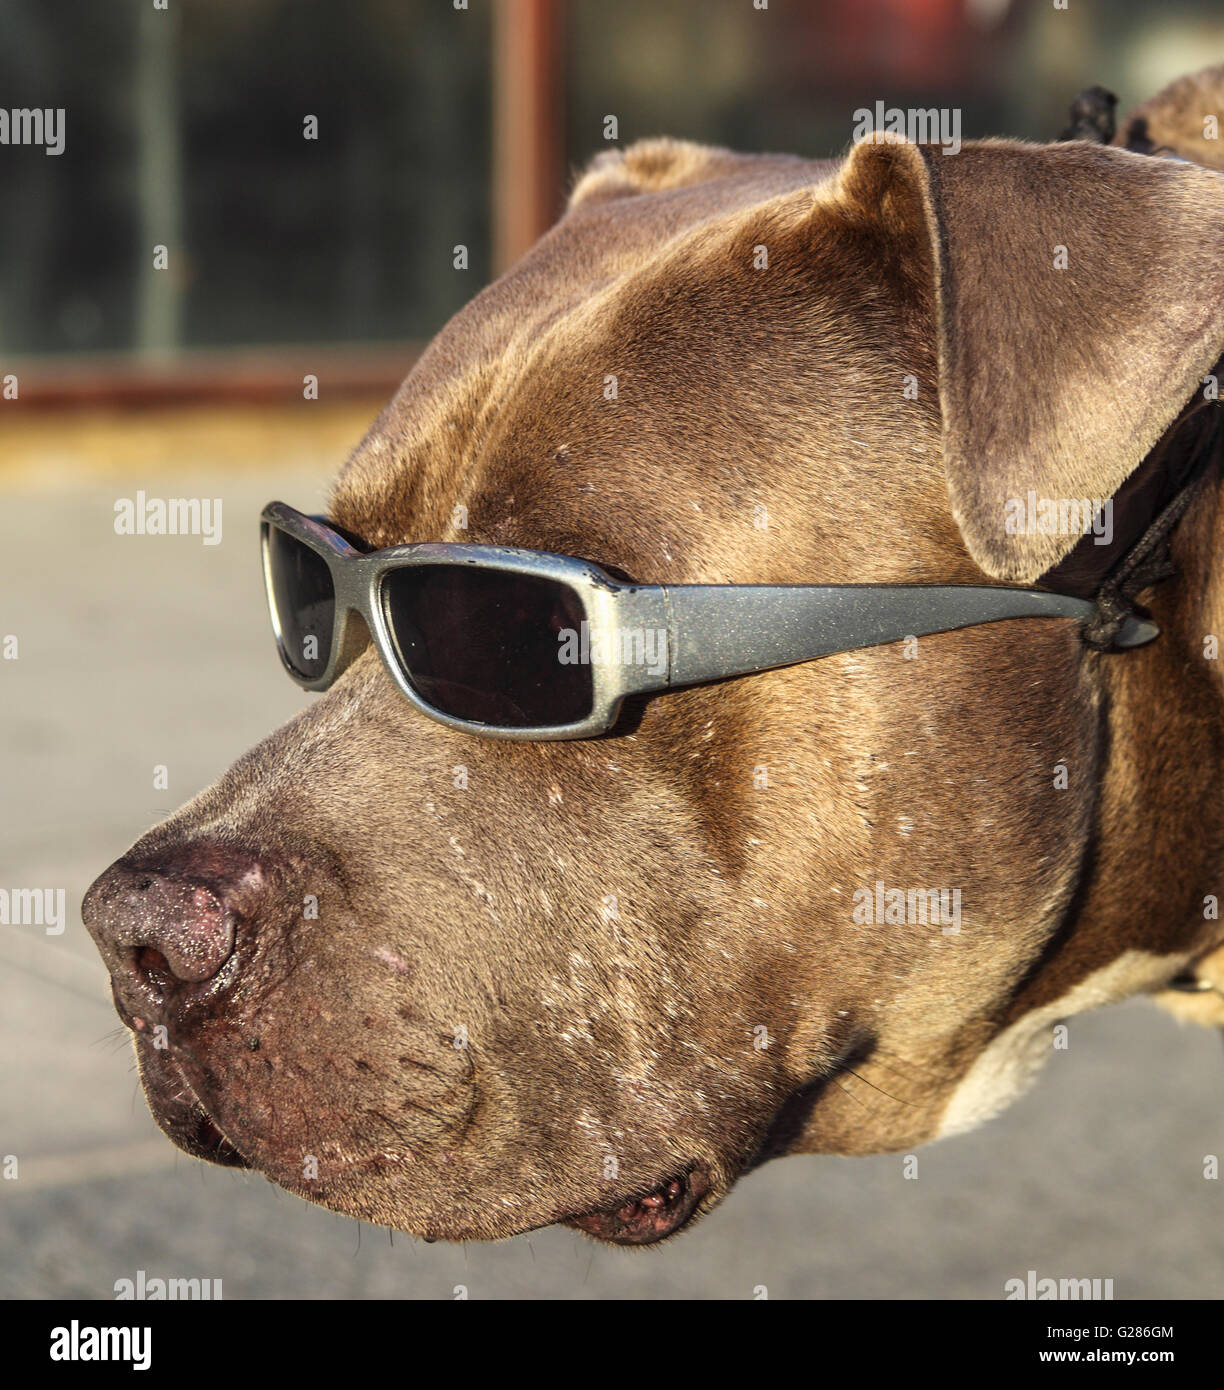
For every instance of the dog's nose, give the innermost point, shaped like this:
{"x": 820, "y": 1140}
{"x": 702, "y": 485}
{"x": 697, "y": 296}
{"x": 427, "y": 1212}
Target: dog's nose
{"x": 165, "y": 930}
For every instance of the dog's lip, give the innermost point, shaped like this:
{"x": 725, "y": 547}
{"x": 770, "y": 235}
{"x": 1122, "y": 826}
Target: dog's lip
{"x": 191, "y": 1128}
{"x": 651, "y": 1217}
{"x": 207, "y": 1142}
{"x": 181, "y": 1116}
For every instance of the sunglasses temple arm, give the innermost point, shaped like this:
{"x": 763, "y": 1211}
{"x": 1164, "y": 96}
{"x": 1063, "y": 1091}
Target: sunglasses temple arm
{"x": 715, "y": 631}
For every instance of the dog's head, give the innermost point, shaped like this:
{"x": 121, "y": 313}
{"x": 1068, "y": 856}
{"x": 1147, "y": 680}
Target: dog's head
{"x": 467, "y": 988}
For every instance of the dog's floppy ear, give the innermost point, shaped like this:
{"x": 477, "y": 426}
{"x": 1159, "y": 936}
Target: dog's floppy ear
{"x": 1079, "y": 302}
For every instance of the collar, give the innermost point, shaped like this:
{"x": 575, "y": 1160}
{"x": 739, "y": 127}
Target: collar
{"x": 1146, "y": 510}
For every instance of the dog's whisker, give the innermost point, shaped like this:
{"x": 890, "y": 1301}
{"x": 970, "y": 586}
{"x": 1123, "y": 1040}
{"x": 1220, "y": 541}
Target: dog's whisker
{"x": 113, "y": 1039}
{"x": 859, "y": 1077}
{"x": 915, "y": 1073}
{"x": 857, "y": 1099}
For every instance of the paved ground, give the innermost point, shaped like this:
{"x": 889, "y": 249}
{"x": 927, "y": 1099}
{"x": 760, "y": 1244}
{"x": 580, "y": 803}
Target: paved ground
{"x": 143, "y": 650}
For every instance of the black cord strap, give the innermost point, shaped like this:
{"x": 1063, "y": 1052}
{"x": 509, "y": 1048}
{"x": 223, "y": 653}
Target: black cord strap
{"x": 1147, "y": 563}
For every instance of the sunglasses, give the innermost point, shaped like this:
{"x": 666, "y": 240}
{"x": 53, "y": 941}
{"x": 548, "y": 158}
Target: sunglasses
{"x": 523, "y": 644}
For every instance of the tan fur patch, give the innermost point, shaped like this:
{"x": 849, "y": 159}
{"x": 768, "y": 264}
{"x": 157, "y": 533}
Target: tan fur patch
{"x": 1010, "y": 1064}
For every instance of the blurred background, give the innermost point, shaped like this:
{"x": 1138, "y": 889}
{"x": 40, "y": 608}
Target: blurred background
{"x": 294, "y": 252}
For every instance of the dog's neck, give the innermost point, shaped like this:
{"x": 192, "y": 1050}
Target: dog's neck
{"x": 1152, "y": 859}
{"x": 1163, "y": 722}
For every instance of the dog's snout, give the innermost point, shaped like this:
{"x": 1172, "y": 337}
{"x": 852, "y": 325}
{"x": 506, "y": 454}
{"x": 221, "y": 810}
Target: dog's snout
{"x": 165, "y": 930}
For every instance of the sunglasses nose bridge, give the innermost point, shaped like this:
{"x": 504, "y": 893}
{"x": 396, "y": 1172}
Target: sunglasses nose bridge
{"x": 355, "y": 598}
{"x": 353, "y": 632}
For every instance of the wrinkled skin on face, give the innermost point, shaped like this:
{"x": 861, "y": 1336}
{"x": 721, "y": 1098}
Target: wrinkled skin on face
{"x": 469, "y": 988}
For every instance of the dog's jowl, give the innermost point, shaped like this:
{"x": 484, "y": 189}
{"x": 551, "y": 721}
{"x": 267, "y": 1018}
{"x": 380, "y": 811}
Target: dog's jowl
{"x": 595, "y": 980}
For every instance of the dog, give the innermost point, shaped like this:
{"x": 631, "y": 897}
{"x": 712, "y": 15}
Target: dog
{"x": 467, "y": 988}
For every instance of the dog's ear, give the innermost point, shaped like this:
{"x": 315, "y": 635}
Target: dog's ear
{"x": 653, "y": 166}
{"x": 1078, "y": 304}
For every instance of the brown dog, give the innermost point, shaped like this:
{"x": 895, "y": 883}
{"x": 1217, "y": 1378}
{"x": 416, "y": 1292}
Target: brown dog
{"x": 597, "y": 981}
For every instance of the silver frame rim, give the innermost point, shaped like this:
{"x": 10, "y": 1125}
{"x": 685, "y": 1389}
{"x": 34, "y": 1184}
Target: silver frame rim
{"x": 358, "y": 583}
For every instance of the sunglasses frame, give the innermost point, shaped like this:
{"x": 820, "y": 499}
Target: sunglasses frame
{"x": 711, "y": 632}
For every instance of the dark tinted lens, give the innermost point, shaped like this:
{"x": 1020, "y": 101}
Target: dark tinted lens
{"x": 485, "y": 645}
{"x": 305, "y": 603}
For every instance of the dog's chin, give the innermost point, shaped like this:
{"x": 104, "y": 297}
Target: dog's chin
{"x": 643, "y": 1220}
{"x": 183, "y": 1120}
{"x": 650, "y": 1218}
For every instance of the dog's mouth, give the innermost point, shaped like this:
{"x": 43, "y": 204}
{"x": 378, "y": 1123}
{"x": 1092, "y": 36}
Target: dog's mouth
{"x": 651, "y": 1217}
{"x": 642, "y": 1220}
{"x": 207, "y": 1142}
{"x": 183, "y": 1119}
{"x": 193, "y": 1130}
